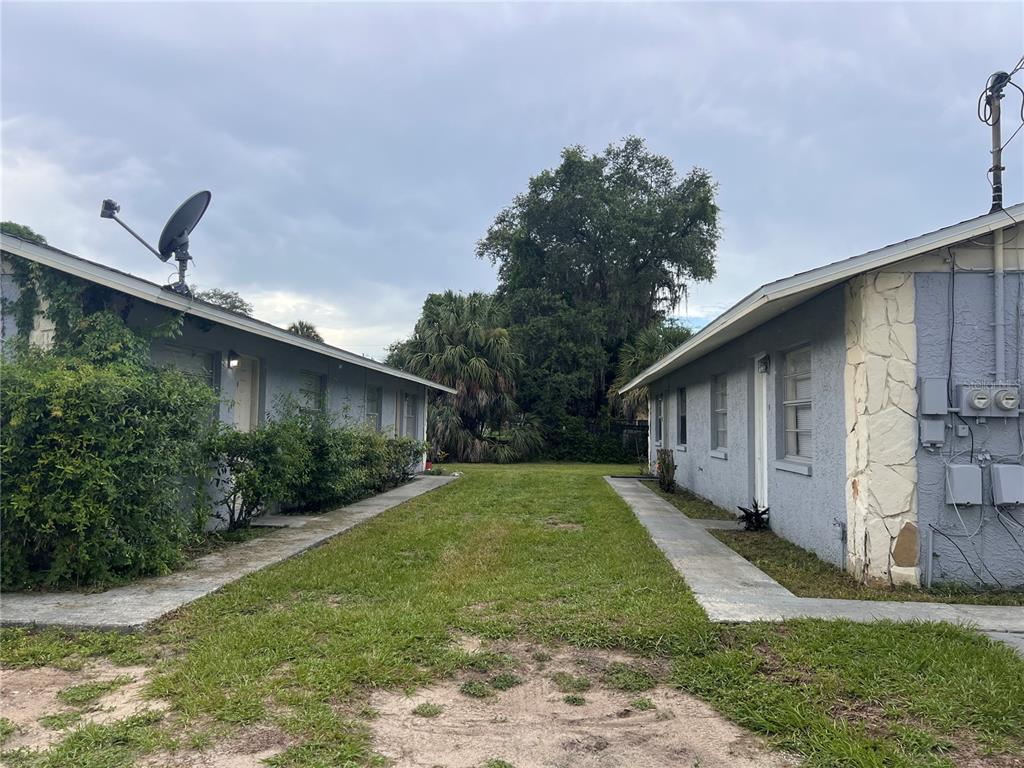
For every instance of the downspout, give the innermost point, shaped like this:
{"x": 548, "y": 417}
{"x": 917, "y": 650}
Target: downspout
{"x": 997, "y": 287}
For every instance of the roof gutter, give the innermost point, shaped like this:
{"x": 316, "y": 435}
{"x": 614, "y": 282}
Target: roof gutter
{"x": 144, "y": 289}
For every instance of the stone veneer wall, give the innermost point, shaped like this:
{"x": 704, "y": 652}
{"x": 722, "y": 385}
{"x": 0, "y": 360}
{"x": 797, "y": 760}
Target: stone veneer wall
{"x": 881, "y": 428}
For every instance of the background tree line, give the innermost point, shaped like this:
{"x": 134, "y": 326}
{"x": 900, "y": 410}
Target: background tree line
{"x": 592, "y": 258}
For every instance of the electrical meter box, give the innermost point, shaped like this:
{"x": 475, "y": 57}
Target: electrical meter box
{"x": 1007, "y": 484}
{"x": 988, "y": 400}
{"x": 963, "y": 484}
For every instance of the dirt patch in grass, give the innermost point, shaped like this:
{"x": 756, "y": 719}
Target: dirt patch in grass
{"x": 248, "y": 748}
{"x": 30, "y": 695}
{"x": 531, "y": 724}
{"x": 562, "y": 525}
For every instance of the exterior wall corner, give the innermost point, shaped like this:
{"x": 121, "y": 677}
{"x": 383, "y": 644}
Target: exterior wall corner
{"x": 881, "y": 428}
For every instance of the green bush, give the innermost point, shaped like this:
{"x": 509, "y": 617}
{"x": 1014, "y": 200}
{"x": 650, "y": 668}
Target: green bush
{"x": 101, "y": 466}
{"x": 599, "y": 440}
{"x": 304, "y": 462}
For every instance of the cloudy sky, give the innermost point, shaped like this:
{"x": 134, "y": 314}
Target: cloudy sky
{"x": 357, "y": 152}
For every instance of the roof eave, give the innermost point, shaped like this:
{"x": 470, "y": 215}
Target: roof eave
{"x": 149, "y": 291}
{"x": 821, "y": 278}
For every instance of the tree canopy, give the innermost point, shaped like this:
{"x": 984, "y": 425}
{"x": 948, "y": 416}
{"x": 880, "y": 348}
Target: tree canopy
{"x": 306, "y": 330}
{"x": 231, "y": 300}
{"x": 459, "y": 341}
{"x": 592, "y": 253}
{"x": 22, "y": 231}
{"x": 649, "y": 346}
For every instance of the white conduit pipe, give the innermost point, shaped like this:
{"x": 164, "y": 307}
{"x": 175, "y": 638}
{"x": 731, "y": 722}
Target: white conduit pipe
{"x": 997, "y": 287}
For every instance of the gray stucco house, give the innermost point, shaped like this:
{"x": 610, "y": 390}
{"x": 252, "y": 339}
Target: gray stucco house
{"x": 873, "y": 404}
{"x": 249, "y": 362}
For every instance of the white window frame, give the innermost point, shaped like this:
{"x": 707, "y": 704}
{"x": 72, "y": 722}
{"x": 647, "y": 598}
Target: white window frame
{"x": 659, "y": 419}
{"x": 720, "y": 412}
{"x": 374, "y": 408}
{"x": 409, "y": 399}
{"x": 797, "y": 444}
{"x": 681, "y": 425}
{"x": 312, "y": 392}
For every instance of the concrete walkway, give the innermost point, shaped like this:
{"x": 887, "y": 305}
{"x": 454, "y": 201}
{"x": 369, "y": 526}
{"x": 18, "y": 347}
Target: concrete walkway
{"x": 731, "y": 589}
{"x": 131, "y": 607}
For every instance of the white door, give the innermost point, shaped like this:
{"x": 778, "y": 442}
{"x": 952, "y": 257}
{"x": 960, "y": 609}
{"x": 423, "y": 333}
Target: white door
{"x": 247, "y": 393}
{"x": 761, "y": 373}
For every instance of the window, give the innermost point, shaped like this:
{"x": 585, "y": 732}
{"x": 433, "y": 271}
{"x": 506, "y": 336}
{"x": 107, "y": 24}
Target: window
{"x": 681, "y": 416}
{"x": 311, "y": 392}
{"x": 719, "y": 412}
{"x": 408, "y": 415}
{"x": 374, "y": 406}
{"x": 797, "y": 403}
{"x": 659, "y": 418}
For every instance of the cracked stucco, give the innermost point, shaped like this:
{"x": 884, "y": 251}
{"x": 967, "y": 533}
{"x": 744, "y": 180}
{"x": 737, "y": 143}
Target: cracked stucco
{"x": 881, "y": 427}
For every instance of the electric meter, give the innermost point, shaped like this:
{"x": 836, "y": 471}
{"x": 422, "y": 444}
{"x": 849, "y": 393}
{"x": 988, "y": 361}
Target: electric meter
{"x": 1007, "y": 400}
{"x": 979, "y": 399}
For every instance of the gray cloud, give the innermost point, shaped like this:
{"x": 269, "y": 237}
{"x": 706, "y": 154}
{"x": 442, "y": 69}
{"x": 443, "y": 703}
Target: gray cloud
{"x": 357, "y": 152}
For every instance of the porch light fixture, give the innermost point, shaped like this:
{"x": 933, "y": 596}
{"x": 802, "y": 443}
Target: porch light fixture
{"x": 232, "y": 359}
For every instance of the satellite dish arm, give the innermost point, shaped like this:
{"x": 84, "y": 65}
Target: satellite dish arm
{"x": 109, "y": 211}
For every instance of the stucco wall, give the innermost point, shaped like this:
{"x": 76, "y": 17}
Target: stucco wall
{"x": 280, "y": 372}
{"x": 806, "y": 509}
{"x": 280, "y": 364}
{"x": 992, "y": 551}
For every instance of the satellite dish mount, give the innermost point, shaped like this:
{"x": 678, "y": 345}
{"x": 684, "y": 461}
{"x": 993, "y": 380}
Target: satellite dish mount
{"x": 174, "y": 238}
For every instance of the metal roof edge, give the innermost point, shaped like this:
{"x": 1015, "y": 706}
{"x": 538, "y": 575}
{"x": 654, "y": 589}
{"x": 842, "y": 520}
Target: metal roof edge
{"x": 830, "y": 274}
{"x": 150, "y": 291}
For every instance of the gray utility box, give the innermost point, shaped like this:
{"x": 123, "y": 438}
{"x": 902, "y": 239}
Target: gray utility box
{"x": 963, "y": 484}
{"x": 1007, "y": 484}
{"x": 934, "y": 396}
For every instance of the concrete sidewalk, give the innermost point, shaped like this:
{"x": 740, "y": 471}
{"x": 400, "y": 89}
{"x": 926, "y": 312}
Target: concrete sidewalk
{"x": 731, "y": 589}
{"x": 131, "y": 607}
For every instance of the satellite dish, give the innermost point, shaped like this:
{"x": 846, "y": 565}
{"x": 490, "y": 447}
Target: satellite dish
{"x": 174, "y": 239}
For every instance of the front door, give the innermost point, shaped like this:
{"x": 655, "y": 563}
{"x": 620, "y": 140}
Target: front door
{"x": 761, "y": 373}
{"x": 247, "y": 393}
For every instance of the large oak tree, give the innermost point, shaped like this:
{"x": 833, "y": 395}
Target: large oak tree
{"x": 592, "y": 253}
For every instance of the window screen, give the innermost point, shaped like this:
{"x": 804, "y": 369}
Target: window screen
{"x": 681, "y": 416}
{"x": 719, "y": 411}
{"x": 374, "y": 406}
{"x": 797, "y": 404}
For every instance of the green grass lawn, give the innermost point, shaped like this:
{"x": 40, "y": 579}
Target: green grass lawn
{"x": 690, "y": 504}
{"x": 804, "y": 574}
{"x": 549, "y": 553}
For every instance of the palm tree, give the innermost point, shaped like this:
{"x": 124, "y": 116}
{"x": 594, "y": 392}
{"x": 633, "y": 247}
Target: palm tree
{"x": 650, "y": 345}
{"x": 459, "y": 341}
{"x": 305, "y": 329}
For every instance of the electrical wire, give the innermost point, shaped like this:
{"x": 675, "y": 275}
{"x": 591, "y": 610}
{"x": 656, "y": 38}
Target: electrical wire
{"x": 999, "y": 517}
{"x": 945, "y": 536}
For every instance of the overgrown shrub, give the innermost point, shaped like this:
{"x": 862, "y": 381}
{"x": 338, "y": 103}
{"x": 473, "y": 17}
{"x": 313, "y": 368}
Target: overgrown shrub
{"x": 666, "y": 469}
{"x": 101, "y": 461}
{"x": 600, "y": 440}
{"x": 304, "y": 462}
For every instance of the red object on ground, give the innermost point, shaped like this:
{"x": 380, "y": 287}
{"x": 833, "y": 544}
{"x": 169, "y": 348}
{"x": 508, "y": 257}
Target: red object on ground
{"x": 429, "y": 465}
